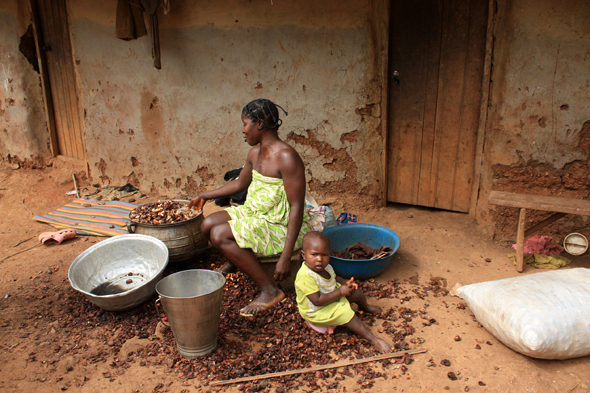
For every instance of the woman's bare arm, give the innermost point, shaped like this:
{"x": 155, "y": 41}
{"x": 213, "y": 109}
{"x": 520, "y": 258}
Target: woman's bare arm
{"x": 293, "y": 173}
{"x": 229, "y": 188}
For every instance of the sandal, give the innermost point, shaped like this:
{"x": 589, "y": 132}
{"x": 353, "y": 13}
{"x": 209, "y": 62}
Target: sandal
{"x": 56, "y": 237}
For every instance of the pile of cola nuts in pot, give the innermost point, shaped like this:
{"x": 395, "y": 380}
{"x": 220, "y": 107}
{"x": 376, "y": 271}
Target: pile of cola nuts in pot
{"x": 163, "y": 212}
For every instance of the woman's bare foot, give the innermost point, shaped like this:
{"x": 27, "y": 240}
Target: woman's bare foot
{"x": 263, "y": 302}
{"x": 227, "y": 268}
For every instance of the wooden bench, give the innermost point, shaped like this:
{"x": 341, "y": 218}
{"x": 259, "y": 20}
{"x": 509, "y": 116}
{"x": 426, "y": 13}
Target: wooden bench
{"x": 269, "y": 264}
{"x": 561, "y": 207}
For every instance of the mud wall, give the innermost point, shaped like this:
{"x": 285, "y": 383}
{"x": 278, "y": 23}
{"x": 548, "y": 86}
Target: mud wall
{"x": 23, "y": 128}
{"x": 538, "y": 130}
{"x": 178, "y": 130}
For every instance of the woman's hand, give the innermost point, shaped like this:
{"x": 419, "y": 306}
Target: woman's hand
{"x": 197, "y": 203}
{"x": 283, "y": 268}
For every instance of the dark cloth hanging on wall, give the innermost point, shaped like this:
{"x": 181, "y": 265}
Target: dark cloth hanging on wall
{"x": 129, "y": 23}
{"x": 151, "y": 9}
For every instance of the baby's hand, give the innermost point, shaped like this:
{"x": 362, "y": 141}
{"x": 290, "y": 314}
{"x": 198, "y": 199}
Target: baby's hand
{"x": 352, "y": 283}
{"x": 349, "y": 287}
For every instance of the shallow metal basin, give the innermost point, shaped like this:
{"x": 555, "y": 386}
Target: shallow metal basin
{"x": 126, "y": 266}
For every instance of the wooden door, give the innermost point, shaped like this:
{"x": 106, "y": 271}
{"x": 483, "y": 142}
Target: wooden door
{"x": 59, "y": 86}
{"x": 438, "y": 49}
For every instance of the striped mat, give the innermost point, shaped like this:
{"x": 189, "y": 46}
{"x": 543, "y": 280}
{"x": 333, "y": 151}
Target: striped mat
{"x": 101, "y": 218}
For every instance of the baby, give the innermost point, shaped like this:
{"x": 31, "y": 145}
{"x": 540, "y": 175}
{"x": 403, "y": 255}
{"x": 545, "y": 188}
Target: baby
{"x": 323, "y": 298}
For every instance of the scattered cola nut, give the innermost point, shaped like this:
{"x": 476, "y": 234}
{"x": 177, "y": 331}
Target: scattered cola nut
{"x": 481, "y": 383}
{"x": 446, "y": 362}
{"x": 496, "y": 368}
{"x": 489, "y": 343}
{"x": 488, "y": 259}
{"x": 410, "y": 215}
{"x": 129, "y": 281}
{"x": 477, "y": 346}
{"x": 466, "y": 388}
{"x": 452, "y": 376}
{"x": 457, "y": 338}
{"x": 447, "y": 388}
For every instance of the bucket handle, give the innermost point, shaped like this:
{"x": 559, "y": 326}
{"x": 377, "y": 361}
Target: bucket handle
{"x": 129, "y": 226}
{"x": 158, "y": 303}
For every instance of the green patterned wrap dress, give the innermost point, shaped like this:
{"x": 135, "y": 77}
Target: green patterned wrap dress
{"x": 261, "y": 223}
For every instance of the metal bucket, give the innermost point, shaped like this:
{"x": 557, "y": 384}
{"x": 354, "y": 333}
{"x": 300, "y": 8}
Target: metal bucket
{"x": 192, "y": 300}
{"x": 184, "y": 239}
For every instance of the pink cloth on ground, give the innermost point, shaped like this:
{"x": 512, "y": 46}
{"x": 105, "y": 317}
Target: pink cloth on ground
{"x": 540, "y": 245}
{"x": 322, "y": 330}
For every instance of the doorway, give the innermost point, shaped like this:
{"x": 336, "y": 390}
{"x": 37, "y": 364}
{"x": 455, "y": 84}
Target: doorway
{"x": 59, "y": 78}
{"x": 436, "y": 66}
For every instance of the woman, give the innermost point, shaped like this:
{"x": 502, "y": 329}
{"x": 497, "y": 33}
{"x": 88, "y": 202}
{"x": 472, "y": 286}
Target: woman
{"x": 273, "y": 219}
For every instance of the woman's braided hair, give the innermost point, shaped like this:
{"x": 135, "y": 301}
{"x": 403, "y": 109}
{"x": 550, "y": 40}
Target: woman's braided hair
{"x": 265, "y": 110}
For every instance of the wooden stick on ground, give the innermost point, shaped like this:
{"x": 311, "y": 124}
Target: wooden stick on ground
{"x": 27, "y": 208}
{"x": 75, "y": 185}
{"x": 16, "y": 253}
{"x": 321, "y": 367}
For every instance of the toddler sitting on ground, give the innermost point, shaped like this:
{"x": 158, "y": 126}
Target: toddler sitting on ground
{"x": 323, "y": 298}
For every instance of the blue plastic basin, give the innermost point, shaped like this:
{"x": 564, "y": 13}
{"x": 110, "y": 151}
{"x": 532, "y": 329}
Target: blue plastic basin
{"x": 343, "y": 236}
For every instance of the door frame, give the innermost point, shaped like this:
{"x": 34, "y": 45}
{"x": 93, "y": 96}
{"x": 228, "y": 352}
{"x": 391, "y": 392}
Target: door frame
{"x": 46, "y": 90}
{"x": 384, "y": 7}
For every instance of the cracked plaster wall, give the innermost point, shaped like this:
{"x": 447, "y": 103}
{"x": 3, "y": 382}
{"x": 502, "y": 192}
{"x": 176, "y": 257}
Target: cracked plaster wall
{"x": 178, "y": 130}
{"x": 540, "y": 101}
{"x": 23, "y": 129}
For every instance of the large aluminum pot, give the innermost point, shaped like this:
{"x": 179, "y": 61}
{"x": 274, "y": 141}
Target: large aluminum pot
{"x": 184, "y": 239}
{"x": 121, "y": 272}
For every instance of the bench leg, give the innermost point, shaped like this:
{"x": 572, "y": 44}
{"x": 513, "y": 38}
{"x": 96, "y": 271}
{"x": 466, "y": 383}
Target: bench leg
{"x": 520, "y": 241}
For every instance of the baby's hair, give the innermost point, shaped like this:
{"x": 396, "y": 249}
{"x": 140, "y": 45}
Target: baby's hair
{"x": 315, "y": 235}
{"x": 265, "y": 110}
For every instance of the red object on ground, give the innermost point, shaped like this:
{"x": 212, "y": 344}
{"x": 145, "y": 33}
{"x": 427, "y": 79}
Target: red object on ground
{"x": 540, "y": 245}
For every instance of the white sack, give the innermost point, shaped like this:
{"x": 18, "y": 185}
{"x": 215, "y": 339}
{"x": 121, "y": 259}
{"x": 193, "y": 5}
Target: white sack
{"x": 542, "y": 315}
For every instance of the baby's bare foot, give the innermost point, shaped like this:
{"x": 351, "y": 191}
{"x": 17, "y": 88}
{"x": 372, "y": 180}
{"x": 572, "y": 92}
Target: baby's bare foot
{"x": 382, "y": 345}
{"x": 370, "y": 308}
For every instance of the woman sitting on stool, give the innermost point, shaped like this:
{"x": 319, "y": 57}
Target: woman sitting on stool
{"x": 273, "y": 219}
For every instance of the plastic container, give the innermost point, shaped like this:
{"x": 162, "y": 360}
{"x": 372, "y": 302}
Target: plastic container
{"x": 192, "y": 300}
{"x": 330, "y": 218}
{"x": 575, "y": 244}
{"x": 343, "y": 236}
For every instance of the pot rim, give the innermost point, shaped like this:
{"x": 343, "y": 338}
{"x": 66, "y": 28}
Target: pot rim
{"x": 118, "y": 238}
{"x": 171, "y": 224}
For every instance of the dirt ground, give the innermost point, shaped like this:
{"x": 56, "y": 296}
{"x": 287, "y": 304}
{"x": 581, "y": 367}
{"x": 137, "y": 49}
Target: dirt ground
{"x": 52, "y": 339}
